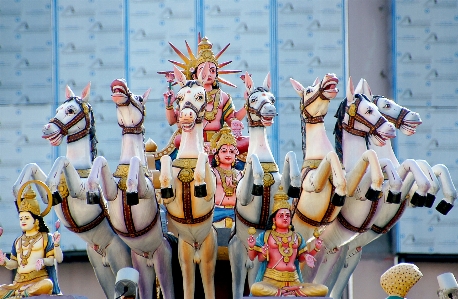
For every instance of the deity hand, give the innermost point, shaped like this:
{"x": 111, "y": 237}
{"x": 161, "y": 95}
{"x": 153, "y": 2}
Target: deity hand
{"x": 169, "y": 98}
{"x": 289, "y": 291}
{"x": 310, "y": 260}
{"x": 236, "y": 127}
{"x": 207, "y": 148}
{"x": 265, "y": 249}
{"x": 56, "y": 239}
{"x": 39, "y": 264}
{"x": 251, "y": 241}
{"x": 3, "y": 258}
{"x": 229, "y": 181}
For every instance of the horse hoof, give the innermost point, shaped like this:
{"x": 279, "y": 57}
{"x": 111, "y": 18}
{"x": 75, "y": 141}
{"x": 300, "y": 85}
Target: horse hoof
{"x": 167, "y": 192}
{"x": 393, "y": 198}
{"x": 418, "y": 200}
{"x": 444, "y": 207}
{"x": 373, "y": 195}
{"x": 92, "y": 198}
{"x": 430, "y": 198}
{"x": 132, "y": 198}
{"x": 200, "y": 191}
{"x": 56, "y": 199}
{"x": 257, "y": 190}
{"x": 338, "y": 200}
{"x": 294, "y": 192}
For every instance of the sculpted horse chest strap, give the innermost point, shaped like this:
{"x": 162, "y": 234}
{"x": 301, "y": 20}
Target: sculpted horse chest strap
{"x": 73, "y": 226}
{"x": 121, "y": 173}
{"x": 364, "y": 228}
{"x": 392, "y": 222}
{"x": 269, "y": 180}
{"x": 307, "y": 166}
{"x": 186, "y": 176}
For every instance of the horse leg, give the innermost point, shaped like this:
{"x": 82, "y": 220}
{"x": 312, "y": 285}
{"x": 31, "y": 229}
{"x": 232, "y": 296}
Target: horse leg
{"x": 162, "y": 260}
{"x": 253, "y": 272}
{"x": 343, "y": 277}
{"x": 104, "y": 275}
{"x": 207, "y": 263}
{"x": 394, "y": 180}
{"x": 31, "y": 171}
{"x": 355, "y": 176}
{"x": 328, "y": 271}
{"x": 448, "y": 189}
{"x": 136, "y": 180}
{"x": 102, "y": 176}
{"x": 204, "y": 178}
{"x": 118, "y": 254}
{"x": 168, "y": 190}
{"x": 291, "y": 176}
{"x": 239, "y": 266}
{"x": 419, "y": 177}
{"x": 147, "y": 276}
{"x": 186, "y": 254}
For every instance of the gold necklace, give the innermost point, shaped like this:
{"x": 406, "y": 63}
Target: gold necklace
{"x": 211, "y": 115}
{"x": 27, "y": 241}
{"x": 223, "y": 173}
{"x": 282, "y": 238}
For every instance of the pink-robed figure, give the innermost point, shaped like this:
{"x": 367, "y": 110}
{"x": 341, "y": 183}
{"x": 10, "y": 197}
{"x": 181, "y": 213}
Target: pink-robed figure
{"x": 219, "y": 108}
{"x": 280, "y": 250}
{"x": 224, "y": 149}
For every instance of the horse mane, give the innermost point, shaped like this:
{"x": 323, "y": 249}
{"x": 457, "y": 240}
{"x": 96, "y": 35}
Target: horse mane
{"x": 304, "y": 134}
{"x": 340, "y": 114}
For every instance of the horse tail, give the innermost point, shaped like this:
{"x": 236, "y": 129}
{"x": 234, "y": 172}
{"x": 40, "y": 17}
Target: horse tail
{"x": 340, "y": 114}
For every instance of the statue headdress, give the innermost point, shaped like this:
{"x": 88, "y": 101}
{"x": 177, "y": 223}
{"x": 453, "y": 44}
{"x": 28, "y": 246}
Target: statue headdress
{"x": 222, "y": 137}
{"x": 29, "y": 203}
{"x": 204, "y": 54}
{"x": 280, "y": 200}
{"x": 399, "y": 279}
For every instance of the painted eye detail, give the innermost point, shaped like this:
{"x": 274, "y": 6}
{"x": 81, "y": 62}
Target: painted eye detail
{"x": 70, "y": 110}
{"x": 369, "y": 111}
{"x": 387, "y": 105}
{"x": 179, "y": 98}
{"x": 253, "y": 100}
{"x": 199, "y": 97}
{"x": 308, "y": 90}
{"x": 272, "y": 100}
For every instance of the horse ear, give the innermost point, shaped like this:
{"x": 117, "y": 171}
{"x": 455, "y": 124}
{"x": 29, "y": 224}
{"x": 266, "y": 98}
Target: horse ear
{"x": 248, "y": 83}
{"x": 267, "y": 82}
{"x": 203, "y": 75}
{"x": 297, "y": 87}
{"x": 317, "y": 80}
{"x": 69, "y": 92}
{"x": 86, "y": 92}
{"x": 179, "y": 76}
{"x": 367, "y": 89}
{"x": 145, "y": 95}
{"x": 359, "y": 87}
{"x": 350, "y": 91}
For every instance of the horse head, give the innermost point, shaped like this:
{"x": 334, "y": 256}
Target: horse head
{"x": 130, "y": 108}
{"x": 259, "y": 103}
{"x": 74, "y": 119}
{"x": 402, "y": 118}
{"x": 191, "y": 98}
{"x": 361, "y": 117}
{"x": 315, "y": 98}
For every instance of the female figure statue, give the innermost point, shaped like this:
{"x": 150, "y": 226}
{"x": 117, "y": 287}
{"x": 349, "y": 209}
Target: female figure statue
{"x": 280, "y": 250}
{"x": 33, "y": 253}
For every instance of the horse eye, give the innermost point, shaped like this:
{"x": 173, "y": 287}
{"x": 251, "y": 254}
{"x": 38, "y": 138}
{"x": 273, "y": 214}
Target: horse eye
{"x": 70, "y": 110}
{"x": 308, "y": 90}
{"x": 387, "y": 105}
{"x": 199, "y": 97}
{"x": 272, "y": 99}
{"x": 253, "y": 100}
{"x": 369, "y": 111}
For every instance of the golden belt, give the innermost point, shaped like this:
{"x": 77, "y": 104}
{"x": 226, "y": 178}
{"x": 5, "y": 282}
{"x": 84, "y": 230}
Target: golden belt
{"x": 284, "y": 276}
{"x": 25, "y": 277}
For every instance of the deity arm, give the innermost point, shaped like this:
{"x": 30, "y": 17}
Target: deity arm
{"x": 171, "y": 115}
{"x": 10, "y": 264}
{"x": 48, "y": 261}
{"x": 229, "y": 113}
{"x": 58, "y": 254}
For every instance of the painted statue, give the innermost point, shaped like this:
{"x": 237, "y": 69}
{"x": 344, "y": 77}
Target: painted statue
{"x": 74, "y": 119}
{"x": 224, "y": 149}
{"x": 188, "y": 187}
{"x": 280, "y": 250}
{"x": 34, "y": 253}
{"x": 219, "y": 108}
{"x": 259, "y": 183}
{"x": 131, "y": 198}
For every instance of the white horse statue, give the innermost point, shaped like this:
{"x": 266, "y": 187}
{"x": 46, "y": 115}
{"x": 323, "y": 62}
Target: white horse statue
{"x": 258, "y": 185}
{"x": 132, "y": 204}
{"x": 188, "y": 186}
{"x": 67, "y": 180}
{"x": 357, "y": 117}
{"x": 324, "y": 185}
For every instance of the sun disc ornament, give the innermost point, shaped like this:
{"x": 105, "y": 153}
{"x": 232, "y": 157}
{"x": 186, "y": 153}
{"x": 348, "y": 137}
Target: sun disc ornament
{"x": 29, "y": 203}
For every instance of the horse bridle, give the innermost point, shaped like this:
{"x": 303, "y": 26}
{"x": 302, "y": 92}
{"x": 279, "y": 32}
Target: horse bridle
{"x": 83, "y": 114}
{"x": 308, "y": 118}
{"x": 138, "y": 128}
{"x": 354, "y": 116}
{"x": 200, "y": 113}
{"x": 398, "y": 121}
{"x": 257, "y": 112}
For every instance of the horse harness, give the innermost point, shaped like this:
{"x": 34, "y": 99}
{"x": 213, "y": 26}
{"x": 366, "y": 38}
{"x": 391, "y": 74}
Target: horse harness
{"x": 307, "y": 166}
{"x": 308, "y": 118}
{"x": 73, "y": 226}
{"x": 82, "y": 114}
{"x": 364, "y": 227}
{"x": 396, "y": 121}
{"x": 138, "y": 128}
{"x": 391, "y": 223}
{"x": 268, "y": 168}
{"x": 353, "y": 114}
{"x": 121, "y": 172}
{"x": 201, "y": 112}
{"x": 257, "y": 112}
{"x": 186, "y": 176}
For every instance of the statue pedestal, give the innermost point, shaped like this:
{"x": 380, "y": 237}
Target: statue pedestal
{"x": 58, "y": 297}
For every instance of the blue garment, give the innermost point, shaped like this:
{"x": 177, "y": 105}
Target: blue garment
{"x": 52, "y": 273}
{"x": 222, "y": 213}
{"x": 262, "y": 269}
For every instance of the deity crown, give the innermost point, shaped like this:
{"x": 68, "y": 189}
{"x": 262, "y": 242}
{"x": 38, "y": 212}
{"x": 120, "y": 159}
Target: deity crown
{"x": 29, "y": 203}
{"x": 224, "y": 136}
{"x": 281, "y": 200}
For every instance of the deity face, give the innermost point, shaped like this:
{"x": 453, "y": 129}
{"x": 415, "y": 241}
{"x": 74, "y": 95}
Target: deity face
{"x": 26, "y": 221}
{"x": 211, "y": 73}
{"x": 283, "y": 219}
{"x": 226, "y": 154}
